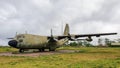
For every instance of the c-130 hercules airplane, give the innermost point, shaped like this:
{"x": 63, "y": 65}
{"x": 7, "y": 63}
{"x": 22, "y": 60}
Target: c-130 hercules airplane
{"x": 29, "y": 41}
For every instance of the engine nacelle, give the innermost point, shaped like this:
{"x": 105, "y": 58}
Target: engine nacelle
{"x": 89, "y": 39}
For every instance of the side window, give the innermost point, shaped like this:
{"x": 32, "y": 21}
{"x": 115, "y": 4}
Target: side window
{"x": 20, "y": 36}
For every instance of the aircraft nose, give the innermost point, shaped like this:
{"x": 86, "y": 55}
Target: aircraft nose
{"x": 13, "y": 43}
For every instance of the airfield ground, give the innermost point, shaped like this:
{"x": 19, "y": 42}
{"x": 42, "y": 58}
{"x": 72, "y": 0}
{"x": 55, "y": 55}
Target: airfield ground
{"x": 64, "y": 57}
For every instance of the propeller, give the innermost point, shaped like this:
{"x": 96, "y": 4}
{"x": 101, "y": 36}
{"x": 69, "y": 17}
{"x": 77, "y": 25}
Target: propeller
{"x": 51, "y": 33}
{"x": 89, "y": 39}
{"x": 52, "y": 39}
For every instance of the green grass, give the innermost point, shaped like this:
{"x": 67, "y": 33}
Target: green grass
{"x": 91, "y": 57}
{"x": 7, "y": 49}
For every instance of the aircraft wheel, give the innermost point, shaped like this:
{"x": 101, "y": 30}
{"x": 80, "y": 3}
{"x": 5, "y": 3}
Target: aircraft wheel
{"x": 21, "y": 50}
{"x": 41, "y": 50}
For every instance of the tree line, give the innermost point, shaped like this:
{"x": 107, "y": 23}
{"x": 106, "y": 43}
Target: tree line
{"x": 102, "y": 42}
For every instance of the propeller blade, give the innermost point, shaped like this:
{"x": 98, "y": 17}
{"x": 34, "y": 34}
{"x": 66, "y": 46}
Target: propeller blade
{"x": 51, "y": 33}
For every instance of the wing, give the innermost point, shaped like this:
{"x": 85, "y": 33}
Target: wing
{"x": 84, "y": 35}
{"x": 97, "y": 35}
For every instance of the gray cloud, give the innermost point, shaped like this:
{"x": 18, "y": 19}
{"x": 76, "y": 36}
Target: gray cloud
{"x": 39, "y": 16}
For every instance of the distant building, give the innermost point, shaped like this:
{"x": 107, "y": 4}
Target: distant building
{"x": 115, "y": 45}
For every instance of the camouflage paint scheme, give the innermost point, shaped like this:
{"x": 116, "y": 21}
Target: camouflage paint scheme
{"x": 29, "y": 41}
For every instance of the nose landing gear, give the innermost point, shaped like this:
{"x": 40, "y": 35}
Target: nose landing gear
{"x": 21, "y": 50}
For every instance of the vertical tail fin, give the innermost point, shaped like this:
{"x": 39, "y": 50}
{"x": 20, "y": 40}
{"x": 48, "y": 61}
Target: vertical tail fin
{"x": 66, "y": 30}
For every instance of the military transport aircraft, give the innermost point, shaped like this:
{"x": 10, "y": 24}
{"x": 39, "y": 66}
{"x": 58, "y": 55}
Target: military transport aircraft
{"x": 29, "y": 41}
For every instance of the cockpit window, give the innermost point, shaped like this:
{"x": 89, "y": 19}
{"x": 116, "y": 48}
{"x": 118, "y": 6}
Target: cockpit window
{"x": 20, "y": 40}
{"x": 20, "y": 36}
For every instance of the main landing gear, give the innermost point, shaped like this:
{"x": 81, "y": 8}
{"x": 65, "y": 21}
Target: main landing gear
{"x": 41, "y": 50}
{"x": 21, "y": 50}
{"x": 51, "y": 49}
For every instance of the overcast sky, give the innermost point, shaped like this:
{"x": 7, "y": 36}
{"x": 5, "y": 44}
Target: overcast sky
{"x": 39, "y": 16}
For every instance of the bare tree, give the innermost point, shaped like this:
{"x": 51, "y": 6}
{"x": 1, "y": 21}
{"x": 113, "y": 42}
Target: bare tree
{"x": 107, "y": 42}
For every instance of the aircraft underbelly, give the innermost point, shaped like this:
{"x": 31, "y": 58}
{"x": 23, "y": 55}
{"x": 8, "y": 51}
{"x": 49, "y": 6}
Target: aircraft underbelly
{"x": 32, "y": 46}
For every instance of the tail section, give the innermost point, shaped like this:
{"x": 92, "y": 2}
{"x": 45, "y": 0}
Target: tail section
{"x": 66, "y": 31}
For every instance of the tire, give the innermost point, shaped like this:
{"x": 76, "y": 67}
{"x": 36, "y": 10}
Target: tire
{"x": 21, "y": 50}
{"x": 41, "y": 50}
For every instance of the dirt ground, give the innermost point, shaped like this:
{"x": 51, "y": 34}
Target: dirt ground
{"x": 36, "y": 54}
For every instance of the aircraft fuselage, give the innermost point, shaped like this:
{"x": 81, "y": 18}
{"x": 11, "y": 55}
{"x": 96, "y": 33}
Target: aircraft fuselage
{"x": 29, "y": 41}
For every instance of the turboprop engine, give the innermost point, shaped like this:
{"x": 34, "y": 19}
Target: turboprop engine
{"x": 89, "y": 39}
